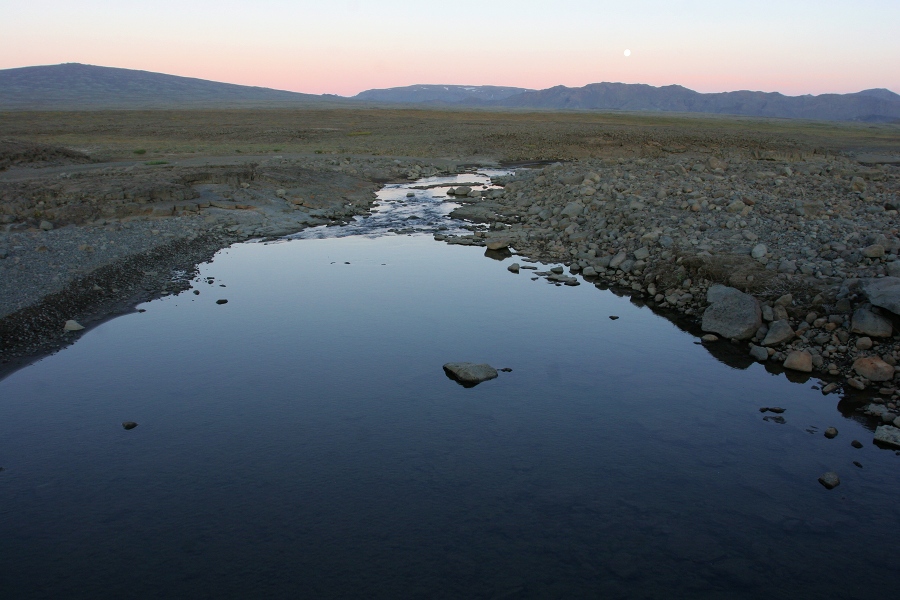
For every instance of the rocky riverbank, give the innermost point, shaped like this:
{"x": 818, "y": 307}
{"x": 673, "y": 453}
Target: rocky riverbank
{"x": 84, "y": 241}
{"x": 794, "y": 258}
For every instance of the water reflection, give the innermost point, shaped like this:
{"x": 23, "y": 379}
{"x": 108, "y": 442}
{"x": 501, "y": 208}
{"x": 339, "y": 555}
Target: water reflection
{"x": 303, "y": 439}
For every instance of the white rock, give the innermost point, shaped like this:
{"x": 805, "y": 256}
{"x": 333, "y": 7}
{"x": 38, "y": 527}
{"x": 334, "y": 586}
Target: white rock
{"x": 72, "y": 325}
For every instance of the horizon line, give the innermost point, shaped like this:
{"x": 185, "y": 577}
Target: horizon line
{"x": 526, "y": 89}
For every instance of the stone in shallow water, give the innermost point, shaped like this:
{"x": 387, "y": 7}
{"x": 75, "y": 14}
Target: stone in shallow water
{"x": 129, "y": 424}
{"x": 469, "y": 374}
{"x": 830, "y": 480}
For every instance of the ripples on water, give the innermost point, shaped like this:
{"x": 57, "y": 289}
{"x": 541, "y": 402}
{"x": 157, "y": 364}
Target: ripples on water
{"x": 303, "y": 441}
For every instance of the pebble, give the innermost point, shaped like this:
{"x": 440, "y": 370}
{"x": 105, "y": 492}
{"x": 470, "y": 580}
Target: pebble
{"x": 799, "y": 360}
{"x": 72, "y": 325}
{"x": 513, "y": 268}
{"x": 831, "y": 433}
{"x": 759, "y": 353}
{"x": 129, "y": 424}
{"x": 222, "y": 301}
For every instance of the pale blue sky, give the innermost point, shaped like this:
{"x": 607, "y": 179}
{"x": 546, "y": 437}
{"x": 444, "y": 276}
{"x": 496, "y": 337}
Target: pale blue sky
{"x": 345, "y": 46}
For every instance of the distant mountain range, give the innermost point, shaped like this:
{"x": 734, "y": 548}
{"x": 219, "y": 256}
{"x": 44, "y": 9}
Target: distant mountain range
{"x": 75, "y": 86}
{"x": 868, "y": 105}
{"x": 441, "y": 94}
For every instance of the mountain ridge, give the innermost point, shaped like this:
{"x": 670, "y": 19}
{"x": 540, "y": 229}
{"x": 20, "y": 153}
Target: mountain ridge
{"x": 875, "y": 105}
{"x": 75, "y": 86}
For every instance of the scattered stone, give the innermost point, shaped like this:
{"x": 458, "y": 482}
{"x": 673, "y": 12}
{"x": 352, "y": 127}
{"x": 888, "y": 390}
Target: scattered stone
{"x": 831, "y": 433}
{"x": 759, "y": 353}
{"x": 46, "y": 225}
{"x": 506, "y": 370}
{"x": 129, "y": 424}
{"x": 470, "y": 374}
{"x": 868, "y": 323}
{"x": 829, "y": 388}
{"x": 864, "y": 343}
{"x": 856, "y": 383}
{"x": 72, "y": 325}
{"x": 873, "y": 369}
{"x": 497, "y": 245}
{"x": 778, "y": 419}
{"x": 513, "y": 268}
{"x": 857, "y": 464}
{"x": 785, "y": 300}
{"x": 883, "y": 292}
{"x": 799, "y": 360}
{"x": 772, "y": 409}
{"x": 779, "y": 332}
{"x": 613, "y": 317}
{"x": 731, "y": 313}
{"x": 830, "y": 480}
{"x": 873, "y": 251}
{"x": 222, "y": 301}
{"x": 709, "y": 338}
{"x": 856, "y": 444}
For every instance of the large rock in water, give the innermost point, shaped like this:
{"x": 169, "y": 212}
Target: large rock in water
{"x": 469, "y": 374}
{"x": 731, "y": 313}
{"x": 884, "y": 292}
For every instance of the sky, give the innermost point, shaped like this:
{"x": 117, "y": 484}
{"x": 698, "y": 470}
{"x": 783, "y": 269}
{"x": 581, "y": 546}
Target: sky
{"x": 346, "y": 46}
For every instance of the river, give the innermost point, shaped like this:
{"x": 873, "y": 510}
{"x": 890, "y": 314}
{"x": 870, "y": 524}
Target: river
{"x": 302, "y": 440}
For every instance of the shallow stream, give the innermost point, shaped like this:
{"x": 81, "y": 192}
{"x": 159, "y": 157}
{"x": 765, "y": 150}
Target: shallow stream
{"x": 302, "y": 440}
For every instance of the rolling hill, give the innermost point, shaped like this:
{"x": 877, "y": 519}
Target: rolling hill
{"x": 74, "y": 86}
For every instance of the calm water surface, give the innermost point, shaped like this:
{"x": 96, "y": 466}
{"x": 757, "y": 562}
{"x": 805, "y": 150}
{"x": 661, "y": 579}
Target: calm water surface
{"x": 302, "y": 440}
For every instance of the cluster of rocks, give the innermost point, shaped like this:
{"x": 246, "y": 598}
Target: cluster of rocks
{"x": 795, "y": 259}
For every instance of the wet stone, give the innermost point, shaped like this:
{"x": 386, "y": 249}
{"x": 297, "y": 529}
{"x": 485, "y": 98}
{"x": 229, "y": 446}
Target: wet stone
{"x": 470, "y": 374}
{"x": 830, "y": 480}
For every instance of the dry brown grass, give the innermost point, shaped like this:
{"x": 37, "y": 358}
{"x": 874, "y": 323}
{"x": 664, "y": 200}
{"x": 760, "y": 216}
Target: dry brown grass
{"x": 504, "y": 135}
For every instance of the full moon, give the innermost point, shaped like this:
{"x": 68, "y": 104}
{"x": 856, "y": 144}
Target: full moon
{"x": 628, "y": 53}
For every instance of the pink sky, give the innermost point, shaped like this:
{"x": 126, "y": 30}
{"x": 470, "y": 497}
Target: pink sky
{"x": 347, "y": 46}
